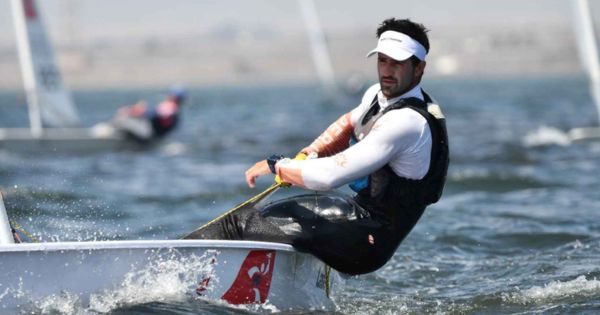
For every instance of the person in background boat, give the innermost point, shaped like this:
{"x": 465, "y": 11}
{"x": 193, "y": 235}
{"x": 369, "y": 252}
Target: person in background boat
{"x": 143, "y": 123}
{"x": 16, "y": 236}
{"x": 391, "y": 149}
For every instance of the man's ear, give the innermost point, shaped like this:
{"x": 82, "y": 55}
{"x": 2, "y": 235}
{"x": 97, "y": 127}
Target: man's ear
{"x": 420, "y": 69}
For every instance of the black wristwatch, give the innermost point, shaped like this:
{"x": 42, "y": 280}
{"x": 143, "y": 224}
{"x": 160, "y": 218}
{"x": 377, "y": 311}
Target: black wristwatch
{"x": 271, "y": 160}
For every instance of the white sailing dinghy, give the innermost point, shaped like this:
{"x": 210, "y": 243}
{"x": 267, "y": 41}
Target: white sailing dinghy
{"x": 53, "y": 118}
{"x": 237, "y": 272}
{"x": 103, "y": 275}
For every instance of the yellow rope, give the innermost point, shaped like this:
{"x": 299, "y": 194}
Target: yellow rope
{"x": 251, "y": 200}
{"x": 19, "y": 228}
{"x": 278, "y": 183}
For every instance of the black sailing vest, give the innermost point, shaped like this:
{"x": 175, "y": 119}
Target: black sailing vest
{"x": 162, "y": 126}
{"x": 397, "y": 201}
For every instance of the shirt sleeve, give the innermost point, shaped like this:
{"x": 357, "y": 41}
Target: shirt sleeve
{"x": 392, "y": 135}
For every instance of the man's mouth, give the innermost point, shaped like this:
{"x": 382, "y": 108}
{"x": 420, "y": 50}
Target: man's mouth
{"x": 388, "y": 80}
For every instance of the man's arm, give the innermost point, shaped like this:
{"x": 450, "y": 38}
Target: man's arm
{"x": 394, "y": 135}
{"x": 333, "y": 140}
{"x": 136, "y": 110}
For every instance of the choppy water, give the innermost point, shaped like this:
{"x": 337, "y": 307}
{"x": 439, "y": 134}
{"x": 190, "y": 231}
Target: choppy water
{"x": 517, "y": 231}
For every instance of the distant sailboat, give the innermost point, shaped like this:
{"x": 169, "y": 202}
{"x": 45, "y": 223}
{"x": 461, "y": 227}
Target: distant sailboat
{"x": 318, "y": 45}
{"x": 53, "y": 118}
{"x": 588, "y": 51}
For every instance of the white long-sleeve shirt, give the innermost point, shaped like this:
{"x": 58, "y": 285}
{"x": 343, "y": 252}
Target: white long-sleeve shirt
{"x": 400, "y": 138}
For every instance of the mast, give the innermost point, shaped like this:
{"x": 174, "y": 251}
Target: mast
{"x": 6, "y": 236}
{"x": 27, "y": 72}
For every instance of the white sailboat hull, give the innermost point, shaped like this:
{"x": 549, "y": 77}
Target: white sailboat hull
{"x": 107, "y": 273}
{"x": 61, "y": 139}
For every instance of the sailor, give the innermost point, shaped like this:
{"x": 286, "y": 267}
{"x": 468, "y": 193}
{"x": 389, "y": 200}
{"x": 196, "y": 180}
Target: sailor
{"x": 144, "y": 124}
{"x": 393, "y": 151}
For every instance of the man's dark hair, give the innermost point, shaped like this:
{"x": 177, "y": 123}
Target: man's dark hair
{"x": 416, "y": 31}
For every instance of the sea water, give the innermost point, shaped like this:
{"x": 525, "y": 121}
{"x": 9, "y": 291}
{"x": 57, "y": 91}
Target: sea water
{"x": 517, "y": 230}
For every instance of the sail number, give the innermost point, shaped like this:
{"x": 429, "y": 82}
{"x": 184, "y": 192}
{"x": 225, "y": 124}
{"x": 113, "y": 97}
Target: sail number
{"x": 50, "y": 78}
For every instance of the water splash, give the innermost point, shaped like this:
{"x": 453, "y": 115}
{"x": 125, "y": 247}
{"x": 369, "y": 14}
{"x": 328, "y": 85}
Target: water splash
{"x": 168, "y": 277}
{"x": 63, "y": 303}
{"x": 172, "y": 278}
{"x": 545, "y": 135}
{"x": 556, "y": 290}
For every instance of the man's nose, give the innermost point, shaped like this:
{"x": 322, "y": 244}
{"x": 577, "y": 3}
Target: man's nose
{"x": 386, "y": 69}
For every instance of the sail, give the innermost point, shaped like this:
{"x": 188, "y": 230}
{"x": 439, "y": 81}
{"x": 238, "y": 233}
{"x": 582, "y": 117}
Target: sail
{"x": 318, "y": 44}
{"x": 49, "y": 101}
{"x": 588, "y": 48}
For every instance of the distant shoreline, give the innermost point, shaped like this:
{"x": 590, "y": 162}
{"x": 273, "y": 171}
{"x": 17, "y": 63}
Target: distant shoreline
{"x": 314, "y": 82}
{"x": 158, "y": 62}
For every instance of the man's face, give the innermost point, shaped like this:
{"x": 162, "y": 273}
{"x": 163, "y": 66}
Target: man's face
{"x": 397, "y": 77}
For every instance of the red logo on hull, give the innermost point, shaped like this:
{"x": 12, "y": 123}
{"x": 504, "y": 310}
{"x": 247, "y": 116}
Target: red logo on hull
{"x": 253, "y": 281}
{"x": 29, "y": 7}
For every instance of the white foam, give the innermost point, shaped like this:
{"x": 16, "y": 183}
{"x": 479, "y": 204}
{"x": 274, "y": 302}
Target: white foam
{"x": 557, "y": 290}
{"x": 171, "y": 279}
{"x": 174, "y": 149}
{"x": 545, "y": 135}
{"x": 64, "y": 303}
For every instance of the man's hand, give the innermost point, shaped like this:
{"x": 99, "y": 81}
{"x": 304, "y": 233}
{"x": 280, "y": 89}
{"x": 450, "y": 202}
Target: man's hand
{"x": 262, "y": 168}
{"x": 259, "y": 169}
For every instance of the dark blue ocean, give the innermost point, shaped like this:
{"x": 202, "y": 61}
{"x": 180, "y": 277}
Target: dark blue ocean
{"x": 516, "y": 232}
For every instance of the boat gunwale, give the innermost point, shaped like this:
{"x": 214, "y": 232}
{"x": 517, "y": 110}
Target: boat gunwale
{"x": 143, "y": 244}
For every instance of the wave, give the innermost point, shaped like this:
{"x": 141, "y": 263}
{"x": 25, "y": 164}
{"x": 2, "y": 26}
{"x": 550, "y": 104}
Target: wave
{"x": 487, "y": 180}
{"x": 545, "y": 135}
{"x": 579, "y": 287}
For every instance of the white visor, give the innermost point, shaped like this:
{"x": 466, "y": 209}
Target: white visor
{"x": 398, "y": 46}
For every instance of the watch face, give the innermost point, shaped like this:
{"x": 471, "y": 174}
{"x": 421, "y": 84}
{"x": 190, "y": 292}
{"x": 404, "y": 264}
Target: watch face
{"x": 271, "y": 160}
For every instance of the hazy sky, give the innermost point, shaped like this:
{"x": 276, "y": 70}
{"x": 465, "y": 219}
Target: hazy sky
{"x": 117, "y": 18}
